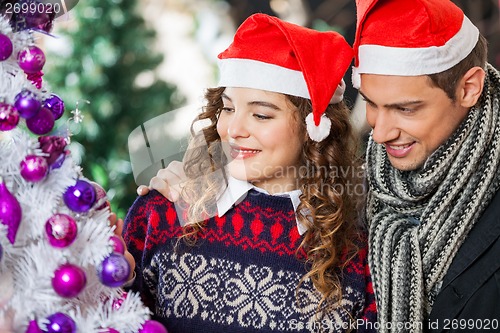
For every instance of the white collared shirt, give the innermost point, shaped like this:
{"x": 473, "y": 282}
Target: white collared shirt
{"x": 236, "y": 191}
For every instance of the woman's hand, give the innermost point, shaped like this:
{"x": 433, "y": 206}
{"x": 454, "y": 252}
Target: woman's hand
{"x": 118, "y": 223}
{"x": 167, "y": 181}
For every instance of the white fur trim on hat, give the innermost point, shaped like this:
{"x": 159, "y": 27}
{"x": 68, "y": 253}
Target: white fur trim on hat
{"x": 247, "y": 73}
{"x": 338, "y": 96}
{"x": 320, "y": 132}
{"x": 384, "y": 60}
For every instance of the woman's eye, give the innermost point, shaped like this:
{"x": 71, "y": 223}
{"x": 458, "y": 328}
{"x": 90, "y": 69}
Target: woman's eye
{"x": 227, "y": 109}
{"x": 261, "y": 116}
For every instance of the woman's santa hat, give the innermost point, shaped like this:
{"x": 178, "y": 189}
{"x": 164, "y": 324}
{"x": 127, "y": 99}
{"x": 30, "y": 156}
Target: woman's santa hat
{"x": 410, "y": 37}
{"x": 270, "y": 54}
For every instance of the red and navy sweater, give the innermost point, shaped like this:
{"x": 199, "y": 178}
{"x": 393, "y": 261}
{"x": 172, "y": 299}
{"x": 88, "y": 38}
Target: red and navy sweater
{"x": 242, "y": 275}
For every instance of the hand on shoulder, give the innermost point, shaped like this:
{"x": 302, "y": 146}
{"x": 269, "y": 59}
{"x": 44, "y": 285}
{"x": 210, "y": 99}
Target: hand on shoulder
{"x": 167, "y": 181}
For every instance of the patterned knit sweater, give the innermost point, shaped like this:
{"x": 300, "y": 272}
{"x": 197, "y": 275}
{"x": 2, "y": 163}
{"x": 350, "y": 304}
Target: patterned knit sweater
{"x": 242, "y": 275}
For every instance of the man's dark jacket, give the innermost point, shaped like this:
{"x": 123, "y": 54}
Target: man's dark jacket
{"x": 470, "y": 294}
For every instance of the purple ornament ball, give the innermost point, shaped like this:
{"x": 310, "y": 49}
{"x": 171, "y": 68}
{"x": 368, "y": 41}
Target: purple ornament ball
{"x": 6, "y": 47}
{"x": 114, "y": 270}
{"x": 9, "y": 117}
{"x": 118, "y": 245}
{"x": 61, "y": 230}
{"x": 27, "y": 104}
{"x": 60, "y": 323}
{"x": 34, "y": 168}
{"x": 10, "y": 212}
{"x": 55, "y": 104}
{"x": 31, "y": 59}
{"x": 80, "y": 197}
{"x": 69, "y": 280}
{"x": 58, "y": 162}
{"x": 152, "y": 326}
{"x": 42, "y": 122}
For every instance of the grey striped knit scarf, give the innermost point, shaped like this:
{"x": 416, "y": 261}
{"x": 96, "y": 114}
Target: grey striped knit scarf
{"x": 418, "y": 219}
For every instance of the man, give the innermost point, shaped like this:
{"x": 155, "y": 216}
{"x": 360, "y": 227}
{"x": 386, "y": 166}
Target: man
{"x": 432, "y": 166}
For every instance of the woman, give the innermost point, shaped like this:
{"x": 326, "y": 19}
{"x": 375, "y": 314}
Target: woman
{"x": 265, "y": 236}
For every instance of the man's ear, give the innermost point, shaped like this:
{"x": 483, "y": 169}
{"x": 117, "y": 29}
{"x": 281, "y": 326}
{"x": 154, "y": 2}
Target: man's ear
{"x": 471, "y": 86}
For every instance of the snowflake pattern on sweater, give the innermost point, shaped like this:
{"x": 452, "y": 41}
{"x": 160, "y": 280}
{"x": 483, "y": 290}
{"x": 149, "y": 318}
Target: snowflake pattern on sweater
{"x": 242, "y": 275}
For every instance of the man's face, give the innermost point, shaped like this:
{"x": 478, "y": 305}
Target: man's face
{"x": 409, "y": 116}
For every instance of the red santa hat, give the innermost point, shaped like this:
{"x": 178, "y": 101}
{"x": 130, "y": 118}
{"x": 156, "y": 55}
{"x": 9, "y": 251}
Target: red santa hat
{"x": 270, "y": 54}
{"x": 410, "y": 37}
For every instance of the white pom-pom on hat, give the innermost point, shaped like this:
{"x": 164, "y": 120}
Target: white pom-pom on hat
{"x": 318, "y": 132}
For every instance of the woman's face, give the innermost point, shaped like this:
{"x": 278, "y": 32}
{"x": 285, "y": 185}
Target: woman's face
{"x": 261, "y": 138}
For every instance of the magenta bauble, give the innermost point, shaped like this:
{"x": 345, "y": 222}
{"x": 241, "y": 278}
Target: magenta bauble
{"x": 80, "y": 197}
{"x": 61, "y": 230}
{"x": 9, "y": 117}
{"x": 6, "y": 47}
{"x": 60, "y": 323}
{"x": 118, "y": 245}
{"x": 117, "y": 303}
{"x": 33, "y": 327}
{"x": 114, "y": 270}
{"x": 31, "y": 59}
{"x": 152, "y": 326}
{"x": 69, "y": 280}
{"x": 42, "y": 122}
{"x": 54, "y": 146}
{"x": 110, "y": 330}
{"x": 34, "y": 168}
{"x": 27, "y": 104}
{"x": 10, "y": 212}
{"x": 101, "y": 198}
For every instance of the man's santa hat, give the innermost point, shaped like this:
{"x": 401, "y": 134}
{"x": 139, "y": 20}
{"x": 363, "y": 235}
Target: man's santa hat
{"x": 270, "y": 54}
{"x": 410, "y": 37}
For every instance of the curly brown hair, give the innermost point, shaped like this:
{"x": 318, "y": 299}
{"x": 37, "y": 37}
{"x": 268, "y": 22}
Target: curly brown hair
{"x": 330, "y": 178}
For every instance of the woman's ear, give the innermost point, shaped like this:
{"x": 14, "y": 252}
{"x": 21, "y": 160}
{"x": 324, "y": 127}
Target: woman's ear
{"x": 471, "y": 86}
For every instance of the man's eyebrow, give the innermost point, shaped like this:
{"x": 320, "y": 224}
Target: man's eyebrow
{"x": 394, "y": 105}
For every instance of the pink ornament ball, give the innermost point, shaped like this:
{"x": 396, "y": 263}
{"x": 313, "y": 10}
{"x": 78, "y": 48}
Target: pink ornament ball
{"x": 110, "y": 330}
{"x": 42, "y": 122}
{"x": 34, "y": 168}
{"x": 10, "y": 212}
{"x": 9, "y": 117}
{"x": 100, "y": 196}
{"x": 117, "y": 303}
{"x": 60, "y": 323}
{"x": 31, "y": 59}
{"x": 114, "y": 270}
{"x": 33, "y": 327}
{"x": 61, "y": 230}
{"x": 152, "y": 326}
{"x": 69, "y": 280}
{"x": 6, "y": 47}
{"x": 118, "y": 245}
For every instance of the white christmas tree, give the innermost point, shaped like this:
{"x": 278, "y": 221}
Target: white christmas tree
{"x": 61, "y": 267}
